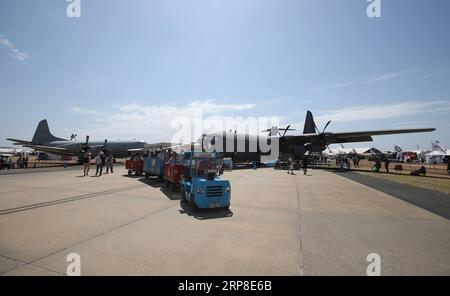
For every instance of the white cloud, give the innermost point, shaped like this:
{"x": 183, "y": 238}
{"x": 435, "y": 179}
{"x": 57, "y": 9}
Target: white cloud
{"x": 373, "y": 80}
{"x": 383, "y": 111}
{"x": 340, "y": 85}
{"x": 392, "y": 75}
{"x": 152, "y": 123}
{"x": 384, "y": 77}
{"x": 79, "y": 110}
{"x": 332, "y": 86}
{"x": 16, "y": 53}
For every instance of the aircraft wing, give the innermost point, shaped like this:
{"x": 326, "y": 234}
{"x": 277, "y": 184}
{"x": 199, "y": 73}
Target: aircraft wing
{"x": 50, "y": 149}
{"x": 363, "y": 136}
{"x": 366, "y": 136}
{"x": 19, "y": 142}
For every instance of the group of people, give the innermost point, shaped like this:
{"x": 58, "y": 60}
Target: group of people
{"x": 345, "y": 163}
{"x": 8, "y": 162}
{"x": 377, "y": 165}
{"x": 22, "y": 162}
{"x": 292, "y": 166}
{"x": 101, "y": 160}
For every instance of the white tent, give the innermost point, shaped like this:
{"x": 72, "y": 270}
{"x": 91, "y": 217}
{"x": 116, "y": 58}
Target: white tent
{"x": 435, "y": 156}
{"x": 367, "y": 150}
{"x": 360, "y": 151}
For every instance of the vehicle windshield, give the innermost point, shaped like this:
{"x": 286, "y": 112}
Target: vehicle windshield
{"x": 204, "y": 167}
{"x": 176, "y": 160}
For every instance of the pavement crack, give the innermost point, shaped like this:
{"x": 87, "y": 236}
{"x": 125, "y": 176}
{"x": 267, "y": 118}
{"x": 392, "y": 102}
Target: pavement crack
{"x": 299, "y": 232}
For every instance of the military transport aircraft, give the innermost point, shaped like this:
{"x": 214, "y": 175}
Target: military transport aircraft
{"x": 44, "y": 141}
{"x": 296, "y": 146}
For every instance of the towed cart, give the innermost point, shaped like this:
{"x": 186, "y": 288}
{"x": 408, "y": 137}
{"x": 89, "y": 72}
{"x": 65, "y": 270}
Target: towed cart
{"x": 134, "y": 163}
{"x": 154, "y": 164}
{"x": 173, "y": 170}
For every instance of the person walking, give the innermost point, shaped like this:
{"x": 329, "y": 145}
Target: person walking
{"x": 109, "y": 163}
{"x": 348, "y": 164}
{"x": 86, "y": 163}
{"x": 305, "y": 166}
{"x": 100, "y": 162}
{"x": 355, "y": 161}
{"x": 19, "y": 162}
{"x": 386, "y": 164}
{"x": 291, "y": 166}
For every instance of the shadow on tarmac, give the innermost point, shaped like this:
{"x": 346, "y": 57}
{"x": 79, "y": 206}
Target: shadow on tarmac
{"x": 132, "y": 176}
{"x": 153, "y": 182}
{"x": 201, "y": 214}
{"x": 204, "y": 214}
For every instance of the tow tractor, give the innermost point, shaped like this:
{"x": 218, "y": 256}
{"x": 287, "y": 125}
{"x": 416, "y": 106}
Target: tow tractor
{"x": 200, "y": 186}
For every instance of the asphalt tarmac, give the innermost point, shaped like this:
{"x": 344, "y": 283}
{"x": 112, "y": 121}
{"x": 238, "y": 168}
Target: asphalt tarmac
{"x": 278, "y": 224}
{"x": 433, "y": 201}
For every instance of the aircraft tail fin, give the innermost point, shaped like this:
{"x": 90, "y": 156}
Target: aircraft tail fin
{"x": 310, "y": 126}
{"x": 42, "y": 134}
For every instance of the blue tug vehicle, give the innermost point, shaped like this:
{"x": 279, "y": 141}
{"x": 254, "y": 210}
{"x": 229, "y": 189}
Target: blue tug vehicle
{"x": 201, "y": 185}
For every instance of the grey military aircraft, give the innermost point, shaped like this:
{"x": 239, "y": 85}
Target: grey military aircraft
{"x": 296, "y": 146}
{"x": 44, "y": 141}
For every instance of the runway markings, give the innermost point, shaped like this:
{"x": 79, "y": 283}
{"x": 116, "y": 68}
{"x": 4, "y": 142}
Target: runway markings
{"x": 67, "y": 199}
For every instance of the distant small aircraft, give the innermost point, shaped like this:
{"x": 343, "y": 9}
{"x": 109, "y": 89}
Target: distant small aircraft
{"x": 44, "y": 141}
{"x": 296, "y": 146}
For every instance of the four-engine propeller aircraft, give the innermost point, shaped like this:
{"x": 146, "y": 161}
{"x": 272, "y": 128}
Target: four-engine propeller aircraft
{"x": 44, "y": 141}
{"x": 296, "y": 146}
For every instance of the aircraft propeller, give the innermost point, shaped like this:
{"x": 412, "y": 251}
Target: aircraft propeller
{"x": 278, "y": 130}
{"x": 104, "y": 146}
{"x": 85, "y": 147}
{"x": 322, "y": 134}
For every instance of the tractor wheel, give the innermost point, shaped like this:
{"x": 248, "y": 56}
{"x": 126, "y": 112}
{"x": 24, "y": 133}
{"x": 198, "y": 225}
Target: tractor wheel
{"x": 192, "y": 204}
{"x": 183, "y": 194}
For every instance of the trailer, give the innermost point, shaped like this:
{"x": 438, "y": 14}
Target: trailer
{"x": 201, "y": 186}
{"x": 154, "y": 162}
{"x": 173, "y": 169}
{"x": 135, "y": 166}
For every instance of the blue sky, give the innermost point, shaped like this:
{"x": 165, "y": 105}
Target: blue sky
{"x": 125, "y": 68}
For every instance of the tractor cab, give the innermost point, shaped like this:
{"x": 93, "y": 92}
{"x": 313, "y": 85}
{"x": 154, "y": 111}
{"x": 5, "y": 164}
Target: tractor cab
{"x": 201, "y": 185}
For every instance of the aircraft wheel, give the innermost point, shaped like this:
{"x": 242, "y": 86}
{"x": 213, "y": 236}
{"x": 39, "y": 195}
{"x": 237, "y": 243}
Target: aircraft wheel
{"x": 129, "y": 172}
{"x": 147, "y": 175}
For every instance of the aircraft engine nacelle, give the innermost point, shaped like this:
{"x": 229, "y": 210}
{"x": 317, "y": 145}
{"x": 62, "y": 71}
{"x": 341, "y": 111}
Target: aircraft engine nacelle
{"x": 308, "y": 146}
